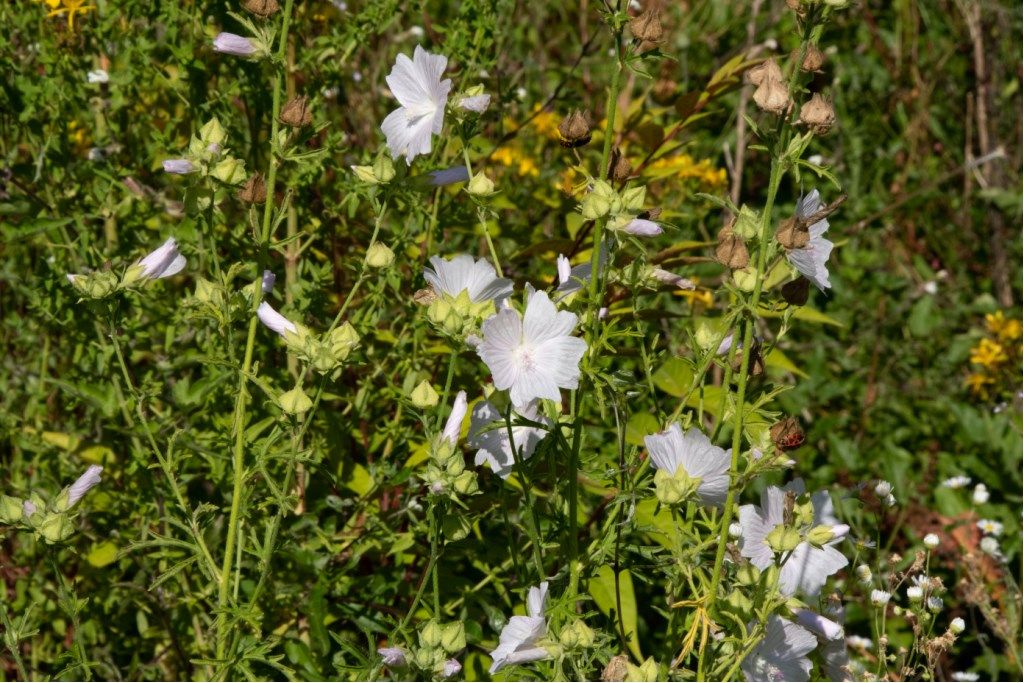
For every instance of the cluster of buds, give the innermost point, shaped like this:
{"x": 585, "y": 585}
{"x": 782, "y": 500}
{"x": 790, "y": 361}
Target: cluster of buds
{"x": 624, "y": 210}
{"x": 576, "y": 635}
{"x": 799, "y": 526}
{"x": 457, "y": 317}
{"x": 446, "y": 473}
{"x": 675, "y": 488}
{"x": 437, "y": 645}
{"x": 381, "y": 172}
{"x": 52, "y": 522}
{"x": 772, "y": 93}
{"x": 162, "y": 262}
{"x": 324, "y": 353}
{"x": 208, "y": 157}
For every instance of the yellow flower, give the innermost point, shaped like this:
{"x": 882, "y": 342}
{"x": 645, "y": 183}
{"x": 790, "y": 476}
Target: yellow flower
{"x": 512, "y": 157}
{"x": 684, "y": 167}
{"x": 546, "y": 123}
{"x": 988, "y": 354}
{"x": 70, "y": 8}
{"x": 978, "y": 384}
{"x": 1007, "y": 330}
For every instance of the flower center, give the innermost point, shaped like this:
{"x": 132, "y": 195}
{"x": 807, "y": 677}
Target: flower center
{"x": 524, "y": 356}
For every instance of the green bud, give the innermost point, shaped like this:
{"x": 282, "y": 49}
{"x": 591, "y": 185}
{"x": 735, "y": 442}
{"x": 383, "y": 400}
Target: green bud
{"x": 294, "y": 402}
{"x": 456, "y": 526}
{"x": 365, "y": 174}
{"x": 480, "y": 185}
{"x": 803, "y": 511}
{"x": 465, "y": 483}
{"x": 746, "y": 225}
{"x": 745, "y": 278}
{"x": 430, "y": 634}
{"x": 55, "y": 527}
{"x": 342, "y": 340}
{"x": 212, "y": 133}
{"x": 633, "y": 199}
{"x": 10, "y": 509}
{"x": 770, "y": 576}
{"x": 230, "y": 171}
{"x": 379, "y": 255}
{"x": 207, "y": 292}
{"x": 425, "y": 657}
{"x": 424, "y": 396}
{"x": 454, "y": 465}
{"x": 646, "y": 672}
{"x": 576, "y": 634}
{"x": 383, "y": 169}
{"x": 453, "y": 637}
{"x": 739, "y": 602}
{"x": 595, "y": 206}
{"x": 820, "y": 535}
{"x": 707, "y": 334}
{"x": 97, "y": 285}
{"x": 748, "y": 575}
{"x": 782, "y": 539}
{"x": 672, "y": 489}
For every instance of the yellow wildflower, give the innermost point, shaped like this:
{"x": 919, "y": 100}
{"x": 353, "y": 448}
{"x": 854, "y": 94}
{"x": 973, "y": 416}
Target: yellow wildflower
{"x": 69, "y": 8}
{"x": 988, "y": 354}
{"x": 512, "y": 157}
{"x": 1005, "y": 329}
{"x": 978, "y": 383}
{"x": 684, "y": 166}
{"x": 546, "y": 123}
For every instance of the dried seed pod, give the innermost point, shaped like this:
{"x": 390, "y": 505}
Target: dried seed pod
{"x": 254, "y": 191}
{"x": 617, "y": 668}
{"x": 619, "y": 167}
{"x": 574, "y": 130}
{"x": 261, "y": 8}
{"x": 796, "y": 292}
{"x": 296, "y": 113}
{"x": 793, "y": 234}
{"x": 814, "y": 58}
{"x": 424, "y": 297}
{"x": 766, "y": 70}
{"x": 755, "y": 364}
{"x": 787, "y": 434}
{"x": 818, "y": 114}
{"x": 647, "y": 29}
{"x": 664, "y": 91}
{"x": 772, "y": 96}
{"x": 731, "y": 251}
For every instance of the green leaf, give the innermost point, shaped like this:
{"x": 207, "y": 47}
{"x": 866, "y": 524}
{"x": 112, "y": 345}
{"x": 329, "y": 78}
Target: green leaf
{"x": 777, "y": 359}
{"x": 674, "y": 377}
{"x": 602, "y": 589}
{"x": 639, "y": 426}
{"x": 102, "y": 554}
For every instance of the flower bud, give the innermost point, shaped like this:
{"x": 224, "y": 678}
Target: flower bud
{"x": 957, "y": 626}
{"x": 745, "y": 278}
{"x": 430, "y": 634}
{"x": 261, "y": 8}
{"x": 480, "y": 185}
{"x": 294, "y": 402}
{"x": 735, "y": 530}
{"x": 465, "y": 484}
{"x": 342, "y": 340}
{"x": 254, "y": 191}
{"x": 934, "y": 604}
{"x": 365, "y": 174}
{"x": 233, "y": 44}
{"x": 11, "y": 509}
{"x": 178, "y": 166}
{"x": 747, "y": 224}
{"x": 296, "y": 113}
{"x": 574, "y": 130}
{"x": 595, "y": 206}
{"x": 55, "y": 527}
{"x": 379, "y": 255}
{"x": 796, "y": 292}
{"x": 212, "y": 133}
{"x": 576, "y": 634}
{"x": 453, "y": 637}
{"x": 229, "y": 171}
{"x": 394, "y": 657}
{"x": 384, "y": 169}
{"x": 424, "y": 396}
{"x": 747, "y": 574}
{"x": 645, "y": 673}
{"x": 782, "y": 539}
{"x": 931, "y": 541}
{"x": 646, "y": 29}
{"x": 96, "y": 285}
{"x": 820, "y": 535}
{"x": 731, "y": 250}
{"x": 793, "y": 234}
{"x": 818, "y": 114}
{"x": 863, "y": 573}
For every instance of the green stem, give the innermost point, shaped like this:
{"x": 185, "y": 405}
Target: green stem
{"x": 363, "y": 269}
{"x": 532, "y": 528}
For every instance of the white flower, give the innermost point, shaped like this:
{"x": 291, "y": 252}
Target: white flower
{"x": 451, "y": 667}
{"x": 518, "y": 642}
{"x": 831, "y": 643}
{"x": 574, "y": 278}
{"x": 980, "y": 496}
{"x": 807, "y": 566}
{"x": 811, "y": 260}
{"x": 990, "y": 527}
{"x": 98, "y": 76}
{"x": 669, "y": 278}
{"x": 453, "y": 427}
{"x": 956, "y": 482}
{"x": 915, "y": 593}
{"x": 233, "y": 44}
{"x": 392, "y": 656}
{"x": 477, "y": 277}
{"x": 475, "y": 103}
{"x": 931, "y": 541}
{"x": 449, "y": 176}
{"x": 968, "y": 676}
{"x": 819, "y": 625}
{"x": 697, "y": 456}
{"x": 957, "y": 626}
{"x": 492, "y": 439}
{"x": 781, "y": 656}
{"x": 859, "y": 642}
{"x": 267, "y": 284}
{"x": 883, "y": 489}
{"x": 164, "y": 261}
{"x": 880, "y": 597}
{"x": 178, "y": 166}
{"x": 934, "y": 604}
{"x": 735, "y": 530}
{"x": 83, "y": 484}
{"x": 990, "y": 546}
{"x": 274, "y": 320}
{"x": 535, "y": 355}
{"x": 642, "y": 228}
{"x": 416, "y": 84}
{"x": 863, "y": 573}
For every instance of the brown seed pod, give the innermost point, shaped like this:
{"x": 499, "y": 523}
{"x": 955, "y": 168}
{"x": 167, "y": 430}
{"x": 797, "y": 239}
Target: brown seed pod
{"x": 772, "y": 96}
{"x": 818, "y": 114}
{"x": 574, "y": 130}
{"x": 755, "y": 364}
{"x": 796, "y": 292}
{"x": 647, "y": 29}
{"x": 793, "y": 234}
{"x": 731, "y": 251}
{"x": 425, "y": 297}
{"x": 254, "y": 191}
{"x": 619, "y": 167}
{"x": 814, "y": 58}
{"x": 787, "y": 434}
{"x": 261, "y": 8}
{"x": 616, "y": 669}
{"x": 766, "y": 70}
{"x": 296, "y": 113}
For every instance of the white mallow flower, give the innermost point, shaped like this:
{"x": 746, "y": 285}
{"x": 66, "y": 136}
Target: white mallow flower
{"x": 164, "y": 261}
{"x": 453, "y": 428}
{"x": 475, "y": 103}
{"x": 782, "y": 655}
{"x": 488, "y": 433}
{"x": 831, "y": 643}
{"x": 808, "y": 565}
{"x": 519, "y": 640}
{"x": 274, "y": 320}
{"x": 533, "y": 356}
{"x": 449, "y": 277}
{"x": 704, "y": 463}
{"x": 82, "y": 485}
{"x": 811, "y": 260}
{"x": 416, "y": 84}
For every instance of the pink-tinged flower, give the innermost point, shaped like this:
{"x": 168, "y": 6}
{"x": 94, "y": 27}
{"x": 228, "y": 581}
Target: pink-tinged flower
{"x": 642, "y": 228}
{"x": 274, "y": 320}
{"x": 449, "y": 277}
{"x": 449, "y": 176}
{"x": 533, "y": 356}
{"x": 519, "y": 640}
{"x": 808, "y": 566}
{"x": 234, "y": 44}
{"x": 782, "y": 655}
{"x": 488, "y": 433}
{"x": 178, "y": 166}
{"x": 811, "y": 260}
{"x": 83, "y": 484}
{"x": 475, "y": 103}
{"x": 451, "y": 667}
{"x": 677, "y": 281}
{"x": 395, "y": 657}
{"x": 267, "y": 284}
{"x": 453, "y": 427}
{"x": 164, "y": 261}
{"x": 28, "y": 508}
{"x": 697, "y": 456}
{"x": 416, "y": 84}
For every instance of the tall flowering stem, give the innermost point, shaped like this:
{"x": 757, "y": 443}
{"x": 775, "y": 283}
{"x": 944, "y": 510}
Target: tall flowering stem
{"x": 241, "y": 402}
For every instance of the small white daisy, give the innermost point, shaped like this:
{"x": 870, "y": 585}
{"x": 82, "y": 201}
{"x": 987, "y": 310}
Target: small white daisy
{"x": 990, "y": 527}
{"x": 956, "y": 482}
{"x": 980, "y": 495}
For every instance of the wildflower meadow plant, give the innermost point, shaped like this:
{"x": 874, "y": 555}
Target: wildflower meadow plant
{"x": 439, "y": 372}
